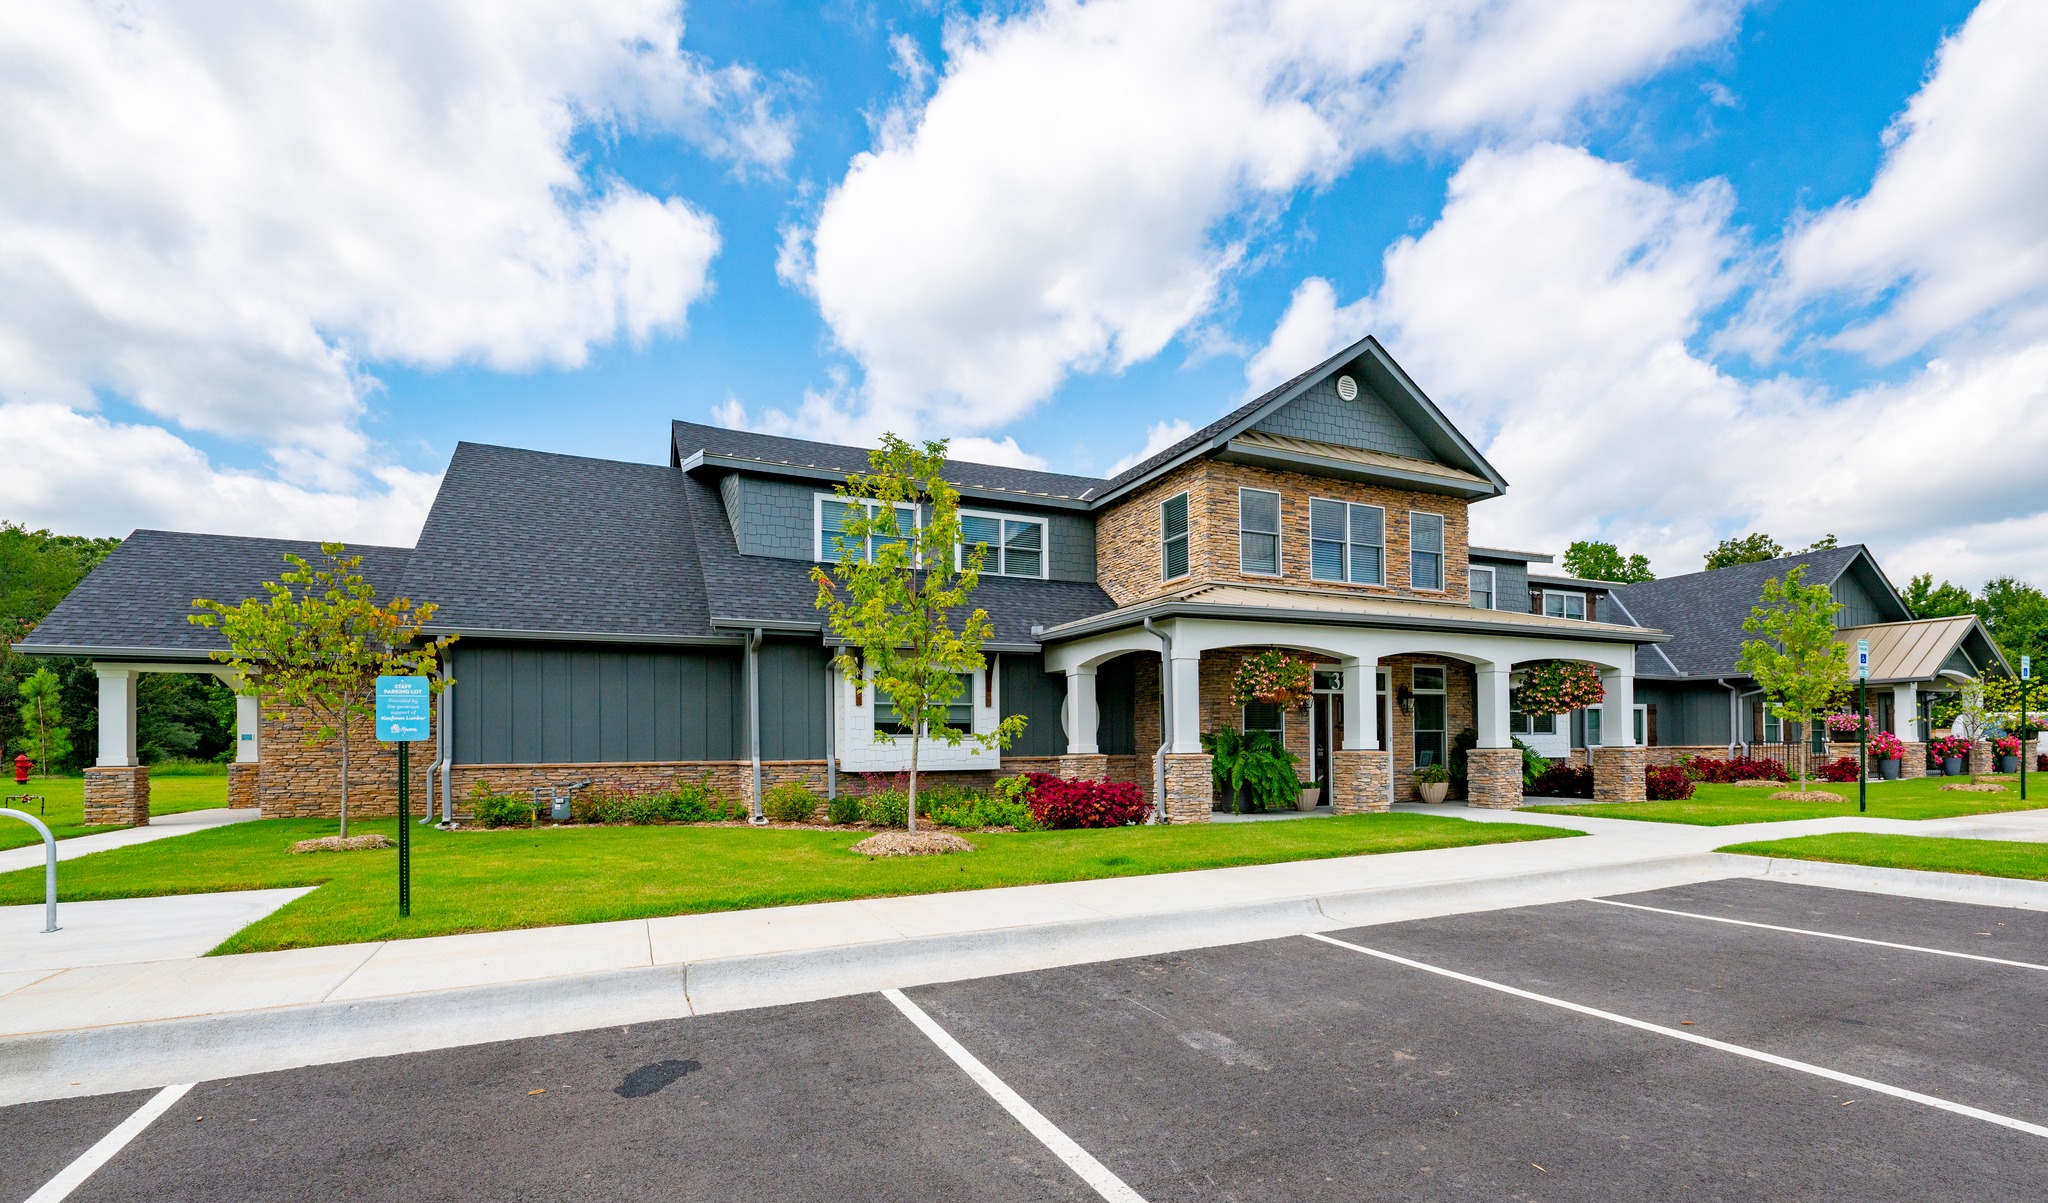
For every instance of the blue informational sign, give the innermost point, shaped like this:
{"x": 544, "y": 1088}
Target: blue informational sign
{"x": 404, "y": 709}
{"x": 2026, "y": 668}
{"x": 1863, "y": 659}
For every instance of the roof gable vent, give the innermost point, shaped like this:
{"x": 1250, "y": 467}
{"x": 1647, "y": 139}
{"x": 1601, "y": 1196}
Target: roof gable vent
{"x": 1347, "y": 388}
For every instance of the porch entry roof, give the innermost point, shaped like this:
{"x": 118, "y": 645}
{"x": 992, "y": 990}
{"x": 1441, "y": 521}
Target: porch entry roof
{"x": 1280, "y": 603}
{"x": 1918, "y": 650}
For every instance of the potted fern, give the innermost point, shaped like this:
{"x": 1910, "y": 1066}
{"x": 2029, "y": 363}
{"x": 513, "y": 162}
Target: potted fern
{"x": 1252, "y": 770}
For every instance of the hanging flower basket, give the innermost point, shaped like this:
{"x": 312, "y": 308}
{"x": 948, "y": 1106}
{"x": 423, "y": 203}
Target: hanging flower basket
{"x": 1845, "y": 726}
{"x": 1275, "y": 678}
{"x": 1560, "y": 687}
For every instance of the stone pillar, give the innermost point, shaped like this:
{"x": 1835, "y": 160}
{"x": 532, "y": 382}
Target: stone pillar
{"x": 245, "y": 786}
{"x": 1618, "y": 774}
{"x": 1915, "y": 763}
{"x": 1359, "y": 782}
{"x": 1091, "y": 766}
{"x": 117, "y": 795}
{"x": 1190, "y": 789}
{"x": 1980, "y": 757}
{"x": 1494, "y": 777}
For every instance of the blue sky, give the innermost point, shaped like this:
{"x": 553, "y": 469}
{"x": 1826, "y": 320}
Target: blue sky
{"x": 1687, "y": 217}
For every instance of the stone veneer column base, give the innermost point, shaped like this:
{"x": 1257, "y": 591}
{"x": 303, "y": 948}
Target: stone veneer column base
{"x": 1190, "y": 787}
{"x": 1915, "y": 762}
{"x": 1618, "y": 774}
{"x": 1494, "y": 777}
{"x": 1084, "y": 766}
{"x": 1358, "y": 781}
{"x": 245, "y": 785}
{"x": 117, "y": 795}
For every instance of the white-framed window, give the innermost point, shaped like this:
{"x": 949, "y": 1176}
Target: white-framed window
{"x": 1016, "y": 546}
{"x": 1258, "y": 532}
{"x": 1173, "y": 537}
{"x": 1425, "y": 551}
{"x": 1528, "y": 724}
{"x": 1432, "y": 739}
{"x": 1265, "y": 716}
{"x": 1564, "y": 604}
{"x": 830, "y": 516}
{"x": 959, "y": 712}
{"x": 1481, "y": 588}
{"x": 1346, "y": 541}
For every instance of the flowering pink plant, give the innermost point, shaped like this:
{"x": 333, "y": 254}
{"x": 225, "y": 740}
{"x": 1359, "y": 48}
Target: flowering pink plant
{"x": 1560, "y": 687}
{"x": 1845, "y": 726}
{"x": 1274, "y": 677}
{"x": 1949, "y": 747}
{"x": 1886, "y": 746}
{"x": 2008, "y": 745}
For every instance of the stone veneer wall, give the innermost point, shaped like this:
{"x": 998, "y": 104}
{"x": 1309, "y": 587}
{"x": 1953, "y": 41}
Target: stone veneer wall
{"x": 1495, "y": 775}
{"x": 1127, "y": 534}
{"x": 300, "y": 777}
{"x": 1663, "y": 755}
{"x": 1980, "y": 757}
{"x": 117, "y": 795}
{"x": 1915, "y": 762}
{"x": 1189, "y": 787}
{"x": 245, "y": 785}
{"x": 1618, "y": 774}
{"x": 1358, "y": 781}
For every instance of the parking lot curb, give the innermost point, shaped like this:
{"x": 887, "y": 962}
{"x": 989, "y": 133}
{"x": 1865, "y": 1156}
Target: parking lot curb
{"x": 1970, "y": 888}
{"x": 44, "y": 1065}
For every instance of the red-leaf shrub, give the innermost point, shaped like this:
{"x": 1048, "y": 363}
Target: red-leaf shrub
{"x": 1058, "y": 803}
{"x": 1668, "y": 783}
{"x": 1838, "y": 770}
{"x": 1742, "y": 768}
{"x": 1561, "y": 780}
{"x": 2041, "y": 763}
{"x": 1707, "y": 768}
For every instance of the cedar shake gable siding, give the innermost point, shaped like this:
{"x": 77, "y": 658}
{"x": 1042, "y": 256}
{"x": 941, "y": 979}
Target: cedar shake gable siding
{"x": 1127, "y": 533}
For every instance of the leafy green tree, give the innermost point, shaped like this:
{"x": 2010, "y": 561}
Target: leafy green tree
{"x": 318, "y": 642}
{"x": 1824, "y": 543}
{"x": 183, "y": 716}
{"x": 2016, "y": 615}
{"x": 1925, "y": 599}
{"x": 42, "y": 716}
{"x": 1595, "y": 561}
{"x": 901, "y": 575}
{"x": 1796, "y": 659}
{"x": 1749, "y": 549}
{"x": 37, "y": 570}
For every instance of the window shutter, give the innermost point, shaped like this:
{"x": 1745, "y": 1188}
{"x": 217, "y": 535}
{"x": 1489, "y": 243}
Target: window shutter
{"x": 1651, "y": 711}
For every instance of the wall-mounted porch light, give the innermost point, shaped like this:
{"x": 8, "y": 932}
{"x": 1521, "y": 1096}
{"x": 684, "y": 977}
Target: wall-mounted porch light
{"x": 1405, "y": 697}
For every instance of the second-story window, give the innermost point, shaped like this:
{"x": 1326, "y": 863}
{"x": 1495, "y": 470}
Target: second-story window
{"x": 1482, "y": 588}
{"x": 833, "y": 517}
{"x": 1258, "y": 532}
{"x": 1016, "y": 546}
{"x": 1558, "y": 604}
{"x": 1173, "y": 537}
{"x": 1425, "y": 551}
{"x": 1346, "y": 541}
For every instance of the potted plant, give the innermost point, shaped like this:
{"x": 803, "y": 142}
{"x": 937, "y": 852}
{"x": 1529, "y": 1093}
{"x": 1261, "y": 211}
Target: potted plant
{"x": 1310, "y": 797}
{"x": 1951, "y": 751}
{"x": 1433, "y": 782}
{"x": 1888, "y": 750}
{"x": 1252, "y": 770}
{"x": 2007, "y": 748}
{"x": 1275, "y": 678}
{"x": 1843, "y": 728}
{"x": 1560, "y": 687}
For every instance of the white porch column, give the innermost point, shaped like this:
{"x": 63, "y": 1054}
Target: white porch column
{"x": 1081, "y": 714}
{"x": 1361, "y": 708}
{"x": 1618, "y": 710}
{"x": 117, "y": 716}
{"x": 1491, "y": 705}
{"x": 1187, "y": 704}
{"x": 248, "y": 716}
{"x": 1906, "y": 712}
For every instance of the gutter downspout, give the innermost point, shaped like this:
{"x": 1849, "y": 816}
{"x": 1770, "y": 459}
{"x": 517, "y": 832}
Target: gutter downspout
{"x": 1165, "y": 720}
{"x": 444, "y": 735}
{"x": 754, "y": 724}
{"x": 1734, "y": 712}
{"x": 831, "y": 732}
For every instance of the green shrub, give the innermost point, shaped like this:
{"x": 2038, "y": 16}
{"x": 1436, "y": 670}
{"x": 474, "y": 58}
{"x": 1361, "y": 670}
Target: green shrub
{"x": 790, "y": 802}
{"x": 885, "y": 808}
{"x": 501, "y": 810}
{"x": 684, "y": 802}
{"x": 843, "y": 809}
{"x": 974, "y": 811}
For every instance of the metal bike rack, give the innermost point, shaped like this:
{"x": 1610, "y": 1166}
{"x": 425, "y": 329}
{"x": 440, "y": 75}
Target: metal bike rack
{"x": 49, "y": 866}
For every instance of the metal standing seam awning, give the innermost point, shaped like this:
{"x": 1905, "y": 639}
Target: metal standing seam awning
{"x": 1903, "y": 652}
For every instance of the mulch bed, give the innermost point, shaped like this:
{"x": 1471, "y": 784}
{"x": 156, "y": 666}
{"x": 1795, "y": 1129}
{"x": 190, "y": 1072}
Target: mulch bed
{"x": 912, "y": 843}
{"x": 1758, "y": 783}
{"x": 335, "y": 843}
{"x": 1807, "y": 795}
{"x": 1977, "y": 788}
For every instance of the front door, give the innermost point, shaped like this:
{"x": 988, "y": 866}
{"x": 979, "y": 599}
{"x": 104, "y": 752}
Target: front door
{"x": 1322, "y": 733}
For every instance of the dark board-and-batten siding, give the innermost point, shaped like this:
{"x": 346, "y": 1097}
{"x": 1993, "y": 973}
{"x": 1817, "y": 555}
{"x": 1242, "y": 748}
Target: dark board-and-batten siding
{"x": 575, "y": 705}
{"x": 1027, "y": 690}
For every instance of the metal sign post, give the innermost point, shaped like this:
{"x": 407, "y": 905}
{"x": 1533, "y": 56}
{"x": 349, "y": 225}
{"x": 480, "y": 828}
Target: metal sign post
{"x": 404, "y": 714}
{"x": 1862, "y": 725}
{"x": 2026, "y": 723}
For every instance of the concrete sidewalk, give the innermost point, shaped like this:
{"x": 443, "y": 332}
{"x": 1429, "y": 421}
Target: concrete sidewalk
{"x": 96, "y": 1027}
{"x": 160, "y": 827}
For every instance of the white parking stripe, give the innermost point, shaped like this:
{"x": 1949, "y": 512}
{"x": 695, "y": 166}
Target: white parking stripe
{"x": 1078, "y": 1159}
{"x": 1825, "y": 935}
{"x": 113, "y": 1142}
{"x": 1818, "y": 1071}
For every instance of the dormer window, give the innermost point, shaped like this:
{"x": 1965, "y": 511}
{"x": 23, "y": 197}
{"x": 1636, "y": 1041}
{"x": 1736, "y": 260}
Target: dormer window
{"x": 1558, "y": 603}
{"x": 1015, "y": 546}
{"x": 834, "y": 515}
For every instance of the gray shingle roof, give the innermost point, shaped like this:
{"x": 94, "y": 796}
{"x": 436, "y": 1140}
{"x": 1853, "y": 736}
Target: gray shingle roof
{"x": 530, "y": 541}
{"x": 1703, "y": 611}
{"x": 774, "y": 451}
{"x": 136, "y": 602}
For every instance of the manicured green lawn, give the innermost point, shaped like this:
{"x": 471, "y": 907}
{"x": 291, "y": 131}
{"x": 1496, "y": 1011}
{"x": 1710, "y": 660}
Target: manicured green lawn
{"x": 1722, "y": 805}
{"x": 1987, "y": 858}
{"x": 168, "y": 795}
{"x": 494, "y": 880}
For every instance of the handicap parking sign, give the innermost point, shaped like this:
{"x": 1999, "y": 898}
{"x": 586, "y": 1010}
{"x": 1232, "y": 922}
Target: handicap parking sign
{"x": 404, "y": 709}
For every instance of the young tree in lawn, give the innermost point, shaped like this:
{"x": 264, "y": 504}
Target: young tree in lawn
{"x": 318, "y": 642}
{"x": 900, "y": 575}
{"x": 1797, "y": 660}
{"x": 42, "y": 720}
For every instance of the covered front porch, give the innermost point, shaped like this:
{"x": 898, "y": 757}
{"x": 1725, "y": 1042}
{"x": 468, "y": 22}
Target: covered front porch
{"x": 1389, "y": 699}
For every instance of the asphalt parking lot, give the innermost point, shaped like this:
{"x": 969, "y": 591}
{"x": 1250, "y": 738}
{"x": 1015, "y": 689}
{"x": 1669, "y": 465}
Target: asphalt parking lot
{"x": 1544, "y": 1053}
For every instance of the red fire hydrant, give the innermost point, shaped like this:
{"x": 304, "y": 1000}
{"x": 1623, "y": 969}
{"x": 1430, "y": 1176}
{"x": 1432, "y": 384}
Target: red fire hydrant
{"x": 22, "y": 765}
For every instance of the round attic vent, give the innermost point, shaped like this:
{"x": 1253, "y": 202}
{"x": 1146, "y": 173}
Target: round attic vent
{"x": 1347, "y": 388}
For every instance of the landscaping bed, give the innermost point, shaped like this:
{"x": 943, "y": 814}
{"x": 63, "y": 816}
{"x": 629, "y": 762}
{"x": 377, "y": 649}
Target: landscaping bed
{"x": 1985, "y": 858}
{"x": 1716, "y": 805}
{"x": 177, "y": 790}
{"x": 538, "y": 877}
